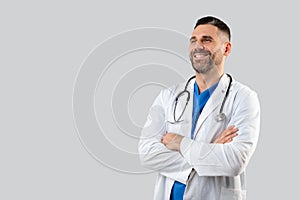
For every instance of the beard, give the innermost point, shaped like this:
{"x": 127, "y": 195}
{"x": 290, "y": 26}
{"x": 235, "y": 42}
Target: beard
{"x": 207, "y": 62}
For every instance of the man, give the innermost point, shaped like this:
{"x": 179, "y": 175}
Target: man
{"x": 200, "y": 145}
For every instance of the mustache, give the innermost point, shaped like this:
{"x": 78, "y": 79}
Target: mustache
{"x": 202, "y": 51}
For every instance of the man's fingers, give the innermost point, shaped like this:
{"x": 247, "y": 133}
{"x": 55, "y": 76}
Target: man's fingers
{"x": 230, "y": 131}
{"x": 172, "y": 141}
{"x": 230, "y": 134}
{"x": 227, "y": 135}
{"x": 168, "y": 138}
{"x": 230, "y": 137}
{"x": 228, "y": 140}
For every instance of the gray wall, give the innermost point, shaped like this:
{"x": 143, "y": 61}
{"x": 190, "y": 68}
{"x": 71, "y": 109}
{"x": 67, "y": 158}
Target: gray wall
{"x": 65, "y": 77}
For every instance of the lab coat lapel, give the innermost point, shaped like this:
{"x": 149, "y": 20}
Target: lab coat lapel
{"x": 215, "y": 99}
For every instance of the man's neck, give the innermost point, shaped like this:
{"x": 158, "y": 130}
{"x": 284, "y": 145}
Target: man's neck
{"x": 205, "y": 81}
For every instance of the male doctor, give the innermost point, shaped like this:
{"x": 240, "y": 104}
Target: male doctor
{"x": 200, "y": 135}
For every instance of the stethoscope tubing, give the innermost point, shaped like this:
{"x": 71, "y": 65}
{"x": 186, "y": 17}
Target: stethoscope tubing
{"x": 220, "y": 117}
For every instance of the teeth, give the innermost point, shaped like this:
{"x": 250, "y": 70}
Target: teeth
{"x": 199, "y": 55}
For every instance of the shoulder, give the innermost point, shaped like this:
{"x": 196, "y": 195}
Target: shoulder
{"x": 172, "y": 91}
{"x": 164, "y": 100}
{"x": 243, "y": 89}
{"x": 168, "y": 94}
{"x": 244, "y": 95}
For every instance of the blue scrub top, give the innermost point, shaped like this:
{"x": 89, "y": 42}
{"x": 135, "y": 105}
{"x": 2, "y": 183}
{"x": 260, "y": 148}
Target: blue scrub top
{"x": 198, "y": 105}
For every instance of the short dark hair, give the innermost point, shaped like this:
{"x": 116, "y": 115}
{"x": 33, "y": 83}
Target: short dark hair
{"x": 215, "y": 22}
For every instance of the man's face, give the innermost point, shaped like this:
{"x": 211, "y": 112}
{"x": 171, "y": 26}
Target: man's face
{"x": 206, "y": 48}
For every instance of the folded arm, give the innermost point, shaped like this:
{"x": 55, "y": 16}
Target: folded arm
{"x": 229, "y": 159}
{"x": 229, "y": 154}
{"x": 153, "y": 154}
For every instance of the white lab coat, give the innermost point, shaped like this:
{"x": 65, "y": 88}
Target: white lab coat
{"x": 210, "y": 171}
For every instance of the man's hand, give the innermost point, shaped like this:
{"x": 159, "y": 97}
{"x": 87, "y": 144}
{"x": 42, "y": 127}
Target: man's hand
{"x": 172, "y": 141}
{"x": 227, "y": 135}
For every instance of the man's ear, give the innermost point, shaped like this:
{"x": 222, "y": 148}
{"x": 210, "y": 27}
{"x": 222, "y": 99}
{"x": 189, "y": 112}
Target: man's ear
{"x": 227, "y": 48}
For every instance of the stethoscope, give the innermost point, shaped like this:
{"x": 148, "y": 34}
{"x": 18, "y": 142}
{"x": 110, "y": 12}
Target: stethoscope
{"x": 220, "y": 117}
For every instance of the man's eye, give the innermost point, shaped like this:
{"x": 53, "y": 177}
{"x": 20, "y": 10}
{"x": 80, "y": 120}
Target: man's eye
{"x": 193, "y": 41}
{"x": 206, "y": 40}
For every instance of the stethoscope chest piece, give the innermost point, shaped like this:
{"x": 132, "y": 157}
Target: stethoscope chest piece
{"x": 220, "y": 117}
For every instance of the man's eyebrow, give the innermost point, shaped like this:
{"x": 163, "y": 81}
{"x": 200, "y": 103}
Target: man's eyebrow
{"x": 207, "y": 37}
{"x": 203, "y": 37}
{"x": 193, "y": 38}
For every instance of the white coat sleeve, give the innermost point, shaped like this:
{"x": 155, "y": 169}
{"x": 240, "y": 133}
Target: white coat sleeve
{"x": 153, "y": 154}
{"x": 228, "y": 159}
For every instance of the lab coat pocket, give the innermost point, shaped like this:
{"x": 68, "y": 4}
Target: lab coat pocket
{"x": 232, "y": 194}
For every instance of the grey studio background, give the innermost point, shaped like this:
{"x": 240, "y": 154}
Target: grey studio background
{"x": 46, "y": 150}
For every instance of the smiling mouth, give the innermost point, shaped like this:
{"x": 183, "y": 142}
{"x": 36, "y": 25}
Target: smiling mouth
{"x": 200, "y": 55}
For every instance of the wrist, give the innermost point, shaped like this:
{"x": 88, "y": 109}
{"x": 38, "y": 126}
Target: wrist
{"x": 179, "y": 140}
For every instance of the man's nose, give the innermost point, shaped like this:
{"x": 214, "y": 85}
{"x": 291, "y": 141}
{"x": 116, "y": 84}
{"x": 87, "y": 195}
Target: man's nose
{"x": 200, "y": 45}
